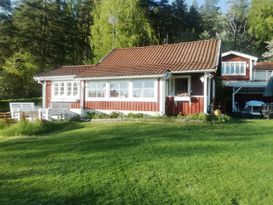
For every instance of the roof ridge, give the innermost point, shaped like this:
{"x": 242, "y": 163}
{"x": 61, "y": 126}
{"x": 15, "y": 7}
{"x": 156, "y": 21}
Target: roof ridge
{"x": 180, "y": 43}
{"x": 82, "y": 65}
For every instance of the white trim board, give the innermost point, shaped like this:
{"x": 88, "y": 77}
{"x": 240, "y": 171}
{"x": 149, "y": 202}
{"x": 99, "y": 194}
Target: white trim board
{"x": 239, "y": 54}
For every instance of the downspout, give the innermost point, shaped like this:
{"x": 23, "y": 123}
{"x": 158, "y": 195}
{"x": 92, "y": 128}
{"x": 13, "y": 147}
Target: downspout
{"x": 43, "y": 83}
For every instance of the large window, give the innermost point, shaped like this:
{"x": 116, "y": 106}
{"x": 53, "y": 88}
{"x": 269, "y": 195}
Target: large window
{"x": 122, "y": 90}
{"x": 65, "y": 89}
{"x": 97, "y": 89}
{"x": 263, "y": 75}
{"x": 119, "y": 88}
{"x": 233, "y": 68}
{"x": 143, "y": 89}
{"x": 181, "y": 87}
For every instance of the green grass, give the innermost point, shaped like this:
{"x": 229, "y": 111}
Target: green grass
{"x": 162, "y": 162}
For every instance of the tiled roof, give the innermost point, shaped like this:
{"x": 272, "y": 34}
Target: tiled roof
{"x": 264, "y": 66}
{"x": 155, "y": 60}
{"x": 150, "y": 60}
{"x": 66, "y": 70}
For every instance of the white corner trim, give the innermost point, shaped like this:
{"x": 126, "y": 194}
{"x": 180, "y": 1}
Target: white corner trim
{"x": 239, "y": 54}
{"x": 54, "y": 78}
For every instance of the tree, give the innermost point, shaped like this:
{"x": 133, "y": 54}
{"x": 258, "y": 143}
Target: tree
{"x": 6, "y": 30}
{"x": 211, "y": 17}
{"x": 237, "y": 22}
{"x": 261, "y": 20}
{"x": 194, "y": 21}
{"x": 17, "y": 80}
{"x": 55, "y": 32}
{"x": 119, "y": 23}
{"x": 268, "y": 55}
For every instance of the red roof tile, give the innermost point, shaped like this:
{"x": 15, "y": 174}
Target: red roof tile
{"x": 264, "y": 66}
{"x": 66, "y": 70}
{"x": 154, "y": 60}
{"x": 150, "y": 60}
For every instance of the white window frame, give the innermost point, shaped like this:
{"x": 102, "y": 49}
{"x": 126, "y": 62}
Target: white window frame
{"x": 223, "y": 70}
{"x": 106, "y": 94}
{"x": 128, "y": 90}
{"x": 65, "y": 97}
{"x": 172, "y": 84}
{"x": 130, "y": 97}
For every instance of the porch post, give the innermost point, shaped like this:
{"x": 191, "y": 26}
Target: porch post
{"x": 162, "y": 96}
{"x": 82, "y": 92}
{"x": 234, "y": 92}
{"x": 213, "y": 89}
{"x": 209, "y": 91}
{"x": 205, "y": 93}
{"x": 44, "y": 94}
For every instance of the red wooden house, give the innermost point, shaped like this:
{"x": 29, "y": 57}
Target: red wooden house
{"x": 160, "y": 79}
{"x": 246, "y": 77}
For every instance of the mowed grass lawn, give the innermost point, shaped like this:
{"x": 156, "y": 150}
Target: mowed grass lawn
{"x": 149, "y": 162}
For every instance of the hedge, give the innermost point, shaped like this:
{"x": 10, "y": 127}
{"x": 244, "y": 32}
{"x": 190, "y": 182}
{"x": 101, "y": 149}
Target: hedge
{"x": 4, "y": 104}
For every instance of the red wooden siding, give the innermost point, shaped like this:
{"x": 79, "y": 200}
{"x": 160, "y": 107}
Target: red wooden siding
{"x": 236, "y": 58}
{"x": 184, "y": 108}
{"x": 74, "y": 105}
{"x": 48, "y": 92}
{"x": 121, "y": 105}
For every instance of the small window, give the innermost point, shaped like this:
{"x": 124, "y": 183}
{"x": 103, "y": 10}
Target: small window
{"x": 181, "y": 87}
{"x": 143, "y": 88}
{"x": 119, "y": 88}
{"x": 233, "y": 68}
{"x": 97, "y": 89}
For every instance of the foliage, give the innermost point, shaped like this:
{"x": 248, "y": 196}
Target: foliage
{"x": 260, "y": 19}
{"x": 237, "y": 23}
{"x": 141, "y": 163}
{"x": 118, "y": 24}
{"x": 268, "y": 55}
{"x": 211, "y": 17}
{"x": 17, "y": 80}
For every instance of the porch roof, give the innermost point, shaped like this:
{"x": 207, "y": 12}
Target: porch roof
{"x": 245, "y": 84}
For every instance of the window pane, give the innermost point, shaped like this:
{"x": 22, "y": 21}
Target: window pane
{"x": 62, "y": 89}
{"x": 75, "y": 89}
{"x": 242, "y": 68}
{"x": 181, "y": 86}
{"x": 96, "y": 89}
{"x": 56, "y": 89}
{"x": 69, "y": 88}
{"x": 260, "y": 75}
{"x": 114, "y": 89}
{"x": 143, "y": 88}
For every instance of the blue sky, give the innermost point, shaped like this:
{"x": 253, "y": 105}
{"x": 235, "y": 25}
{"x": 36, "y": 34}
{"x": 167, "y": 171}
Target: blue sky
{"x": 222, "y": 4}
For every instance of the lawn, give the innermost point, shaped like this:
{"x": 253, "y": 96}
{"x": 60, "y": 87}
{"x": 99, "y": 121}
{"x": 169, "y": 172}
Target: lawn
{"x": 151, "y": 162}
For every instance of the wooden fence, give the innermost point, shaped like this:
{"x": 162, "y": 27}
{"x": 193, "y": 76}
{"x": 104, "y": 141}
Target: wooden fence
{"x": 6, "y": 118}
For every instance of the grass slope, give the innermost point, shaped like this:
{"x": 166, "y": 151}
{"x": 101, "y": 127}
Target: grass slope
{"x": 140, "y": 163}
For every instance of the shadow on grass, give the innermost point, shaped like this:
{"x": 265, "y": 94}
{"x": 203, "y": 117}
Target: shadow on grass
{"x": 91, "y": 148}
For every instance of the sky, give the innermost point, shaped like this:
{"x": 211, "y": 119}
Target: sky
{"x": 222, "y": 4}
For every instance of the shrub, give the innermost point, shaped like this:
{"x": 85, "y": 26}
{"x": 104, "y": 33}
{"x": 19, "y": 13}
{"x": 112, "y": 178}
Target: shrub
{"x": 27, "y": 128}
{"x": 198, "y": 116}
{"x": 133, "y": 115}
{"x": 116, "y": 115}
